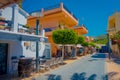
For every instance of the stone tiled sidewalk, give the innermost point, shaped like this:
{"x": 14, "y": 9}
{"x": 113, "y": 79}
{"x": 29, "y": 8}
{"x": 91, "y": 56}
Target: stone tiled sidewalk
{"x": 113, "y": 69}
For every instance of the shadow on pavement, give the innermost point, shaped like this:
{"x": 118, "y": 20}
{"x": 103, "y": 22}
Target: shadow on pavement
{"x": 54, "y": 77}
{"x": 99, "y": 55}
{"x": 110, "y": 76}
{"x": 116, "y": 59}
{"x": 82, "y": 76}
{"x": 92, "y": 77}
{"x": 92, "y": 60}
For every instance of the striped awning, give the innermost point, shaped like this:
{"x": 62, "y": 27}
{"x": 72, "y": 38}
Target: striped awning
{"x": 7, "y": 35}
{"x": 5, "y": 3}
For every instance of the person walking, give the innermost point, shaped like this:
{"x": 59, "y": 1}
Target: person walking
{"x": 59, "y": 53}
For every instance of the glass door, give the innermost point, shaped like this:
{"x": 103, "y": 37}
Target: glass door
{"x": 3, "y": 58}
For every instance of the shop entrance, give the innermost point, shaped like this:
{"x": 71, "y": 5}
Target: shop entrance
{"x": 3, "y": 58}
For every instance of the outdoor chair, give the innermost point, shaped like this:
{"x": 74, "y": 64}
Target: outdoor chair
{"x": 45, "y": 65}
{"x": 60, "y": 60}
{"x": 14, "y": 66}
{"x": 56, "y": 61}
{"x": 52, "y": 62}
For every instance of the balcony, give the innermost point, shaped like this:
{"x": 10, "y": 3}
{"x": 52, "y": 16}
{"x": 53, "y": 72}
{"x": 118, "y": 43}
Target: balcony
{"x": 60, "y": 13}
{"x": 81, "y": 30}
{"x": 23, "y": 34}
{"x": 48, "y": 31}
{"x": 6, "y": 25}
{"x": 57, "y": 6}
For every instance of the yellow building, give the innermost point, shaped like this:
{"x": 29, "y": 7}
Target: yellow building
{"x": 81, "y": 30}
{"x": 53, "y": 18}
{"x": 113, "y": 27}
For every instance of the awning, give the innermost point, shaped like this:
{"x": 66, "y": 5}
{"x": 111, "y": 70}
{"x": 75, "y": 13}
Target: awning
{"x": 5, "y": 3}
{"x": 79, "y": 45}
{"x": 7, "y": 35}
{"x": 66, "y": 45}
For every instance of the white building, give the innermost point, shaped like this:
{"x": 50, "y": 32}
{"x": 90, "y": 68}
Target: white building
{"x": 13, "y": 42}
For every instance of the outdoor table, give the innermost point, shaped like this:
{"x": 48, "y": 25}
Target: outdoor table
{"x": 25, "y": 67}
{"x": 42, "y": 61}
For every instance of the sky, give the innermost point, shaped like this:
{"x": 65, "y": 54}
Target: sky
{"x": 92, "y": 13}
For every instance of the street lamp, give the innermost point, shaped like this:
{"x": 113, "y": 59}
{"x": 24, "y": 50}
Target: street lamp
{"x": 38, "y": 15}
{"x": 109, "y": 44}
{"x": 109, "y": 41}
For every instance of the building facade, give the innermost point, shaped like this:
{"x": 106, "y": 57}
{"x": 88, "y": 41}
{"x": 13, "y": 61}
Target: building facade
{"x": 113, "y": 27}
{"x": 16, "y": 40}
{"x": 55, "y": 17}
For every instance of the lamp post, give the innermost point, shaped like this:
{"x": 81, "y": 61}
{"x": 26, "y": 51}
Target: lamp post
{"x": 109, "y": 41}
{"x": 109, "y": 45}
{"x": 38, "y": 15}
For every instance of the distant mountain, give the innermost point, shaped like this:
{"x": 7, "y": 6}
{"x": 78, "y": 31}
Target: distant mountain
{"x": 102, "y": 39}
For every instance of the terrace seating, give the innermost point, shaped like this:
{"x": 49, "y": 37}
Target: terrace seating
{"x": 14, "y": 61}
{"x": 56, "y": 61}
{"x": 53, "y": 62}
{"x": 60, "y": 60}
{"x": 45, "y": 65}
{"x": 25, "y": 67}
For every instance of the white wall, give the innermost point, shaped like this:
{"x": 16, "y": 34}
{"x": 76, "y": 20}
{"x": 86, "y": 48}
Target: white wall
{"x": 30, "y": 53}
{"x": 19, "y": 15}
{"x": 14, "y": 49}
{"x": 5, "y": 13}
{"x": 22, "y": 19}
{"x": 17, "y": 48}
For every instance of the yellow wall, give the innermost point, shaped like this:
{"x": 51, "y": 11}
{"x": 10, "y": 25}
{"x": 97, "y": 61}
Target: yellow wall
{"x": 113, "y": 27}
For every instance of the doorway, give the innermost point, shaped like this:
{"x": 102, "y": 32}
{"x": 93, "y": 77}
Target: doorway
{"x": 3, "y": 58}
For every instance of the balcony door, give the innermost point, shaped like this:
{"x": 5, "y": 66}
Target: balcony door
{"x": 3, "y": 58}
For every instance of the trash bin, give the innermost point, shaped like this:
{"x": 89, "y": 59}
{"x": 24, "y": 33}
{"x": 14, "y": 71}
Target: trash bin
{"x": 25, "y": 67}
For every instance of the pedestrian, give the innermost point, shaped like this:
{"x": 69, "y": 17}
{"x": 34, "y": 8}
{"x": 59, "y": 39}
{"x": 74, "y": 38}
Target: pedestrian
{"x": 110, "y": 54}
{"x": 73, "y": 52}
{"x": 59, "y": 52}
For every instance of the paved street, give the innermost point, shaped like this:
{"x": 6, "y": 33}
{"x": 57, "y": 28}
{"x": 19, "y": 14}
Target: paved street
{"x": 87, "y": 68}
{"x": 116, "y": 60}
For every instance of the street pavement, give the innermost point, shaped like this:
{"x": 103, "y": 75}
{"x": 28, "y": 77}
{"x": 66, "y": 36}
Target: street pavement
{"x": 91, "y": 67}
{"x": 116, "y": 60}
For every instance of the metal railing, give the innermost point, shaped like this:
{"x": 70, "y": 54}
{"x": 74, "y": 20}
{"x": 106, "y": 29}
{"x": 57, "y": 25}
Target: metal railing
{"x": 58, "y": 6}
{"x": 52, "y": 7}
{"x": 27, "y": 29}
{"x": 69, "y": 12}
{"x": 6, "y": 25}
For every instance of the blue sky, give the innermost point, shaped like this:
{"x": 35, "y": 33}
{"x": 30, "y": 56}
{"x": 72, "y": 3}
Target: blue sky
{"x": 92, "y": 13}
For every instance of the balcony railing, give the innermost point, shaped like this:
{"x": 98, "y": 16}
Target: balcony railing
{"x": 58, "y": 6}
{"x": 27, "y": 30}
{"x": 52, "y": 7}
{"x": 49, "y": 29}
{"x": 70, "y": 12}
{"x": 5, "y": 25}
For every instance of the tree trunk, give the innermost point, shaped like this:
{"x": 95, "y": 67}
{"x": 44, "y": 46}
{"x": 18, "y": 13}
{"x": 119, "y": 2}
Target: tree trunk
{"x": 75, "y": 51}
{"x": 62, "y": 53}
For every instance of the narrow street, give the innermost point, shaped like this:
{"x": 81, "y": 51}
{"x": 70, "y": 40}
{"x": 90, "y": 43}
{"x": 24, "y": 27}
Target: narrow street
{"x": 91, "y": 67}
